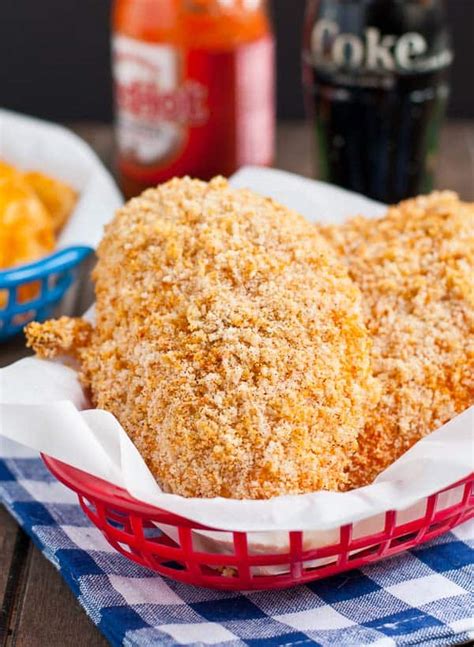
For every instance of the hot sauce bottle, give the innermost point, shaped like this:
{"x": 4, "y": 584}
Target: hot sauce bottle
{"x": 194, "y": 88}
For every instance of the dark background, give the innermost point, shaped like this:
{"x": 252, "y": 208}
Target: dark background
{"x": 54, "y": 57}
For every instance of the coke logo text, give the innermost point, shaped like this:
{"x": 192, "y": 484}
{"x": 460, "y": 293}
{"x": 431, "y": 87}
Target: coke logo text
{"x": 373, "y": 51}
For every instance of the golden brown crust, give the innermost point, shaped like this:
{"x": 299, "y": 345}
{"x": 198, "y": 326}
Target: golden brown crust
{"x": 229, "y": 343}
{"x": 415, "y": 268}
{"x": 64, "y": 336}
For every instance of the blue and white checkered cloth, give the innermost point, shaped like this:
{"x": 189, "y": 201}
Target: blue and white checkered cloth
{"x": 423, "y": 597}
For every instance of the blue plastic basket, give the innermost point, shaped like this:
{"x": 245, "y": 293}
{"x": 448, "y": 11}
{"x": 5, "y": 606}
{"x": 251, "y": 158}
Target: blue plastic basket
{"x": 52, "y": 276}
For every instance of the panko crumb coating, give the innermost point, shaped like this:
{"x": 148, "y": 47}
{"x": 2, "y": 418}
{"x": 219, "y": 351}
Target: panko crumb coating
{"x": 415, "y": 268}
{"x": 66, "y": 336}
{"x": 229, "y": 343}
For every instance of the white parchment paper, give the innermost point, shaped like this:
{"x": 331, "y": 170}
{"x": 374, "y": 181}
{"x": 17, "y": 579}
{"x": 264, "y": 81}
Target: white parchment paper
{"x": 43, "y": 406}
{"x": 33, "y": 144}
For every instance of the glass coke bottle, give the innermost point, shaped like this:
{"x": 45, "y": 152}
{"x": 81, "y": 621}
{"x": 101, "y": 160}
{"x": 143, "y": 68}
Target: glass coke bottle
{"x": 376, "y": 85}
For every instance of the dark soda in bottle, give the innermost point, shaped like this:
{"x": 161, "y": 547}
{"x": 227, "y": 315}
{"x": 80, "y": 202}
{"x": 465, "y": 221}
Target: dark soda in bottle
{"x": 375, "y": 78}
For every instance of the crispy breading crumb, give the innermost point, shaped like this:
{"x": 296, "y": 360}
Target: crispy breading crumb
{"x": 229, "y": 343}
{"x": 415, "y": 268}
{"x": 64, "y": 336}
{"x": 228, "y": 571}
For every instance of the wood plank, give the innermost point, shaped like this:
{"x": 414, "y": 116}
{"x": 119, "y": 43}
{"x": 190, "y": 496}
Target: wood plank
{"x": 13, "y": 350}
{"x": 296, "y": 152}
{"x": 13, "y": 558}
{"x": 8, "y": 536}
{"x": 295, "y": 149}
{"x": 50, "y": 615}
{"x": 455, "y": 167}
{"x": 101, "y": 139}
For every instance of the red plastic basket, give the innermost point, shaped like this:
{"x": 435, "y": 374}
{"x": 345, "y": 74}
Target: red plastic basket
{"x": 131, "y": 527}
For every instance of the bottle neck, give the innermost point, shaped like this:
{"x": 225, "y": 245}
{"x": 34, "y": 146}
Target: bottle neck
{"x": 222, "y": 6}
{"x": 207, "y": 24}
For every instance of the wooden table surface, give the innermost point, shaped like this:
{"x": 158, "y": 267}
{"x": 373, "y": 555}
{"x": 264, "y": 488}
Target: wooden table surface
{"x": 36, "y": 607}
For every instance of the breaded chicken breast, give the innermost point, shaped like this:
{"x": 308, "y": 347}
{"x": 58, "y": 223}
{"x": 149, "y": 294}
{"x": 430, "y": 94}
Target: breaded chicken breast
{"x": 229, "y": 342}
{"x": 415, "y": 268}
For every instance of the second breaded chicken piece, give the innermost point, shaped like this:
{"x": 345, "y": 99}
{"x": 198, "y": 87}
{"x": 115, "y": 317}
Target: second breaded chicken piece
{"x": 229, "y": 343}
{"x": 415, "y": 268}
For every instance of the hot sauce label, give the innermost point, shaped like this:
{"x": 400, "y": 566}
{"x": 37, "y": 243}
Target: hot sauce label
{"x": 195, "y": 112}
{"x": 153, "y": 104}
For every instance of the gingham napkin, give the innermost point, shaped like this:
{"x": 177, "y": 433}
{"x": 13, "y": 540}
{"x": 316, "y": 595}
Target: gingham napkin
{"x": 424, "y": 597}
